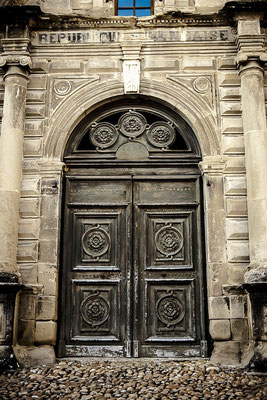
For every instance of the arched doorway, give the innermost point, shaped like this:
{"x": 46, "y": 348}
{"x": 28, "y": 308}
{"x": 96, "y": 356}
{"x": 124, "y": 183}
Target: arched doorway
{"x": 132, "y": 247}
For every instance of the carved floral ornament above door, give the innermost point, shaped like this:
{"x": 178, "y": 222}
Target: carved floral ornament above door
{"x": 128, "y": 132}
{"x": 132, "y": 125}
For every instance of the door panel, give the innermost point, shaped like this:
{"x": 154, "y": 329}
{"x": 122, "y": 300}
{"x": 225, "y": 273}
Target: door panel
{"x": 97, "y": 258}
{"x": 168, "y": 267}
{"x": 95, "y": 311}
{"x": 168, "y": 238}
{"x": 132, "y": 267}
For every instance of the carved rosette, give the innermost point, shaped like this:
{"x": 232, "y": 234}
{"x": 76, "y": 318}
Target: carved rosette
{"x": 62, "y": 87}
{"x": 161, "y": 134}
{"x": 95, "y": 310}
{"x": 202, "y": 84}
{"x": 169, "y": 241}
{"x": 132, "y": 124}
{"x": 170, "y": 309}
{"x": 95, "y": 242}
{"x": 103, "y": 135}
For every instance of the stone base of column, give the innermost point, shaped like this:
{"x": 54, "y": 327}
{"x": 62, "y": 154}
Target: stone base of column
{"x": 258, "y": 300}
{"x": 226, "y": 354}
{"x": 9, "y": 287}
{"x": 30, "y": 356}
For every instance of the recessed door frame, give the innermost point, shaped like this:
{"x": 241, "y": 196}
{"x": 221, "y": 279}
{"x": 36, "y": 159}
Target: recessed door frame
{"x": 156, "y": 162}
{"x": 131, "y": 348}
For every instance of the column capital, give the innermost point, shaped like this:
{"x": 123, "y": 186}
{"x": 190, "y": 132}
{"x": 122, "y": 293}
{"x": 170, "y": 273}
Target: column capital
{"x": 16, "y": 53}
{"x": 251, "y": 66}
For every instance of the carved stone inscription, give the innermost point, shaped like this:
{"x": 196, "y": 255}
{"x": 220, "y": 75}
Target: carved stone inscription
{"x": 95, "y": 36}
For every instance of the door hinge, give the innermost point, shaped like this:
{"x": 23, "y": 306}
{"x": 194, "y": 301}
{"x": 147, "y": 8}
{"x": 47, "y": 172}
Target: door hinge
{"x": 136, "y": 348}
{"x": 204, "y": 348}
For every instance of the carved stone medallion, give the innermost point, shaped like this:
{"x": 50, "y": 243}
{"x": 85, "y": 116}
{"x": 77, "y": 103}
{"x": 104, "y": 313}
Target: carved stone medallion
{"x": 161, "y": 134}
{"x": 103, "y": 135}
{"x": 62, "y": 87}
{"x": 170, "y": 309}
{"x": 95, "y": 242}
{"x": 201, "y": 84}
{"x": 95, "y": 310}
{"x": 169, "y": 241}
{"x": 132, "y": 124}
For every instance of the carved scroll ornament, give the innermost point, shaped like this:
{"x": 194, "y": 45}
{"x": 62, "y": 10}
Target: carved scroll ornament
{"x": 24, "y": 61}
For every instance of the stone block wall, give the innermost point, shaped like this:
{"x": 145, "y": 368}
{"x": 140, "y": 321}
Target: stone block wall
{"x": 213, "y": 79}
{"x": 192, "y": 69}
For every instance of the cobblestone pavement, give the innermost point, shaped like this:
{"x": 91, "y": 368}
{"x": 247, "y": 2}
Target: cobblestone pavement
{"x": 129, "y": 379}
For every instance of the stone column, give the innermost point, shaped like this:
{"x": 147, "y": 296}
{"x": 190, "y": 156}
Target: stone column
{"x": 250, "y": 59}
{"x": 255, "y": 136}
{"x": 15, "y": 61}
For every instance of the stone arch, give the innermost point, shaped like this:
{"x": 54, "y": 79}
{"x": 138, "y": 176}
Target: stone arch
{"x": 181, "y": 99}
{"x": 65, "y": 126}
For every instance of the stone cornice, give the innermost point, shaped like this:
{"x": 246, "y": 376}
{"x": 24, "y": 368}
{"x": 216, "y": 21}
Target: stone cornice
{"x": 16, "y": 52}
{"x": 133, "y": 22}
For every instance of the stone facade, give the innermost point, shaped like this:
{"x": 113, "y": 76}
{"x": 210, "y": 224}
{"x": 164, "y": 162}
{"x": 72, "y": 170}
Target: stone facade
{"x": 204, "y": 61}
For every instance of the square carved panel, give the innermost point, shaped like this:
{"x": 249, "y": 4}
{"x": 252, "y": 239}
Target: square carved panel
{"x": 96, "y": 311}
{"x": 168, "y": 239}
{"x": 97, "y": 239}
{"x": 170, "y": 311}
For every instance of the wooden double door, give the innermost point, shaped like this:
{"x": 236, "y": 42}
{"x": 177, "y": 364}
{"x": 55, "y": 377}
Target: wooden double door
{"x": 132, "y": 281}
